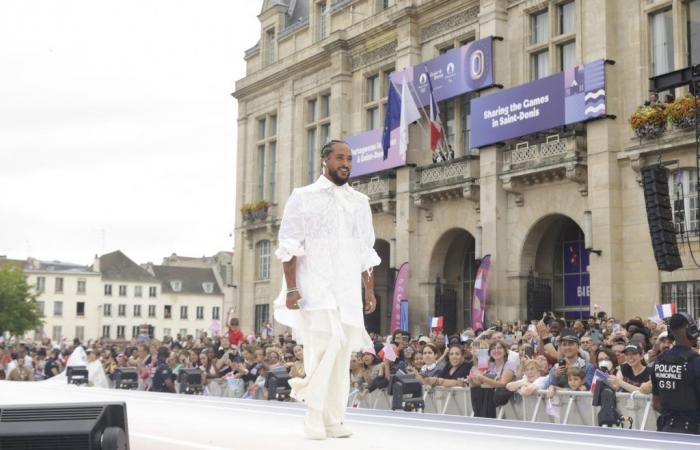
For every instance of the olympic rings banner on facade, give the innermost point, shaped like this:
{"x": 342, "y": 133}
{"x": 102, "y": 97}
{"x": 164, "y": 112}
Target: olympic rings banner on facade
{"x": 458, "y": 71}
{"x": 574, "y": 95}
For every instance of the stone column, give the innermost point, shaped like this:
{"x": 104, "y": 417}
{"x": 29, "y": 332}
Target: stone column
{"x": 493, "y": 199}
{"x": 242, "y": 252}
{"x": 407, "y": 54}
{"x": 341, "y": 89}
{"x": 604, "y": 185}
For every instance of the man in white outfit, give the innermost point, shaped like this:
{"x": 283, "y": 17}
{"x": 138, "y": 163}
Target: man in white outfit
{"x": 326, "y": 244}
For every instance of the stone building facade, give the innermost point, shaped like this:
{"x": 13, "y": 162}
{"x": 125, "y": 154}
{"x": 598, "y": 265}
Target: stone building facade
{"x": 320, "y": 71}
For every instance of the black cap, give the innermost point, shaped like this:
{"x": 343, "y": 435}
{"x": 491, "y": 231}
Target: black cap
{"x": 568, "y": 335}
{"x": 633, "y": 348}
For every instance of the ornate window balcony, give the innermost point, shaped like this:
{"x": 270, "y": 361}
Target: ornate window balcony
{"x": 457, "y": 178}
{"x": 557, "y": 158}
{"x": 381, "y": 191}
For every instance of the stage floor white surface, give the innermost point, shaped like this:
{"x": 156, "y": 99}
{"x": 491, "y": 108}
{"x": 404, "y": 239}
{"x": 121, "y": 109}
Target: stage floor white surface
{"x": 179, "y": 422}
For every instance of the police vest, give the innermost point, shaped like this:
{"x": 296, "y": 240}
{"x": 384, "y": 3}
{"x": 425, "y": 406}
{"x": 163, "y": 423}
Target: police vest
{"x": 673, "y": 381}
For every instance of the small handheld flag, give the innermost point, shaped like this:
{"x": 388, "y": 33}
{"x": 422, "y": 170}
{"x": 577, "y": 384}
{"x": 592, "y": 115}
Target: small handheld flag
{"x": 666, "y": 310}
{"x": 389, "y": 353}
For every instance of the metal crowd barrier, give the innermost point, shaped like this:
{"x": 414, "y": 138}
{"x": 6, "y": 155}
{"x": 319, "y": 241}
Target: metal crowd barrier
{"x": 568, "y": 407}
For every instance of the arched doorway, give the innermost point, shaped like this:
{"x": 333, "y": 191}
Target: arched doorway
{"x": 555, "y": 258}
{"x": 378, "y": 321}
{"x": 454, "y": 268}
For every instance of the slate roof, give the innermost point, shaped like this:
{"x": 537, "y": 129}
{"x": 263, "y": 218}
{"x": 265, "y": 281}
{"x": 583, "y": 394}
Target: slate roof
{"x": 192, "y": 279}
{"x": 116, "y": 266}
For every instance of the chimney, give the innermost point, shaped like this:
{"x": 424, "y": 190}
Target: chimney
{"x": 96, "y": 264}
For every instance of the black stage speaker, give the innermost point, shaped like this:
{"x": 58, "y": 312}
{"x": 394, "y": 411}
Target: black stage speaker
{"x": 660, "y": 218}
{"x": 68, "y": 426}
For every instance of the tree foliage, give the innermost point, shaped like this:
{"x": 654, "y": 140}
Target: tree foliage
{"x": 18, "y": 308}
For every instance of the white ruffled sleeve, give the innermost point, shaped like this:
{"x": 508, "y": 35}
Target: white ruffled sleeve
{"x": 291, "y": 235}
{"x": 368, "y": 256}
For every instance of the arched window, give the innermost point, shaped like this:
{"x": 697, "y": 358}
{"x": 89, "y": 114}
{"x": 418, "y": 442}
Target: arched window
{"x": 683, "y": 188}
{"x": 262, "y": 253}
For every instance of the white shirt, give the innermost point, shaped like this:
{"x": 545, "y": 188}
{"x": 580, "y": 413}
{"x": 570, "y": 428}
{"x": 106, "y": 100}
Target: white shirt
{"x": 329, "y": 229}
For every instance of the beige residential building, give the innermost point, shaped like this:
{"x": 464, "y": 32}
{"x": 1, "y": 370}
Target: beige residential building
{"x": 118, "y": 299}
{"x": 67, "y": 296}
{"x": 320, "y": 70}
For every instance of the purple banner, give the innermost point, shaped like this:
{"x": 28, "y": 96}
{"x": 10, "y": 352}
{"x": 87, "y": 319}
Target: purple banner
{"x": 577, "y": 281}
{"x": 456, "y": 72}
{"x": 575, "y": 95}
{"x": 480, "y": 289}
{"x": 400, "y": 288}
{"x": 367, "y": 153}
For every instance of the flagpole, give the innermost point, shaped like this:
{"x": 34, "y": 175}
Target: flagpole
{"x": 427, "y": 116}
{"x": 432, "y": 95}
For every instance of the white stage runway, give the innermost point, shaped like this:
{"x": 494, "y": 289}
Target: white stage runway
{"x": 180, "y": 422}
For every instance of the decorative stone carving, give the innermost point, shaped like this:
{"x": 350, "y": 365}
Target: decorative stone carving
{"x": 636, "y": 163}
{"x": 448, "y": 23}
{"x": 386, "y": 51}
{"x": 578, "y": 174}
{"x": 262, "y": 291}
{"x": 511, "y": 186}
{"x": 422, "y": 204}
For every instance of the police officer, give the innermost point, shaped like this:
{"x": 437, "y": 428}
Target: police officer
{"x": 163, "y": 376}
{"x": 675, "y": 378}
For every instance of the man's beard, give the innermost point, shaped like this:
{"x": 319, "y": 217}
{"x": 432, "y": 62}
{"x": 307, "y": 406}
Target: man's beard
{"x": 337, "y": 178}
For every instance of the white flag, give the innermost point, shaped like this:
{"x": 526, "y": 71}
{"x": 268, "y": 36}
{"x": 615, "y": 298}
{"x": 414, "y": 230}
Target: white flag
{"x": 409, "y": 114}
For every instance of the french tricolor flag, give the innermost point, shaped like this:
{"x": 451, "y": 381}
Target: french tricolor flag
{"x": 666, "y": 310}
{"x": 598, "y": 375}
{"x": 436, "y": 323}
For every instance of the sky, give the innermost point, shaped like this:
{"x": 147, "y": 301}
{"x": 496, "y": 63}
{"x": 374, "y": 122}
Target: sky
{"x": 117, "y": 127}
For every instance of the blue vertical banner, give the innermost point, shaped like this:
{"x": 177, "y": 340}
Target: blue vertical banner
{"x": 404, "y": 315}
{"x": 577, "y": 281}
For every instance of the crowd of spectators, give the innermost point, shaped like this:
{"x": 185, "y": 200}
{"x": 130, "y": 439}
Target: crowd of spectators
{"x": 552, "y": 354}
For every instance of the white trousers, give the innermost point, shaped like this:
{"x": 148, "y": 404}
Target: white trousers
{"x": 327, "y": 350}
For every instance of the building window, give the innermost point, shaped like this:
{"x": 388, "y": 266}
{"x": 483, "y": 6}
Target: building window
{"x": 375, "y": 98}
{"x": 40, "y": 284}
{"x": 80, "y": 309}
{"x": 176, "y": 285}
{"x": 81, "y": 287}
{"x": 540, "y": 65}
{"x": 58, "y": 308}
{"x": 167, "y": 311}
{"x": 386, "y": 4}
{"x": 262, "y": 316}
{"x": 208, "y": 287}
{"x": 122, "y": 311}
{"x": 107, "y": 310}
{"x": 122, "y": 290}
{"x": 262, "y": 253}
{"x": 80, "y": 332}
{"x": 661, "y": 24}
{"x": 134, "y": 331}
{"x": 183, "y": 312}
{"x": 58, "y": 285}
{"x": 138, "y": 291}
{"x": 121, "y": 331}
{"x": 267, "y": 158}
{"x": 567, "y": 56}
{"x": 56, "y": 334}
{"x": 151, "y": 310}
{"x": 270, "y": 46}
{"x": 685, "y": 295}
{"x": 40, "y": 307}
{"x": 166, "y": 332}
{"x": 108, "y": 290}
{"x": 200, "y": 312}
{"x": 567, "y": 18}
{"x": 322, "y": 15}
{"x": 684, "y": 200}
{"x": 540, "y": 27}
{"x": 152, "y": 291}
{"x": 318, "y": 127}
{"x": 106, "y": 332}
{"x": 693, "y": 14}
{"x": 215, "y": 313}
{"x": 183, "y": 333}
{"x": 137, "y": 310}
